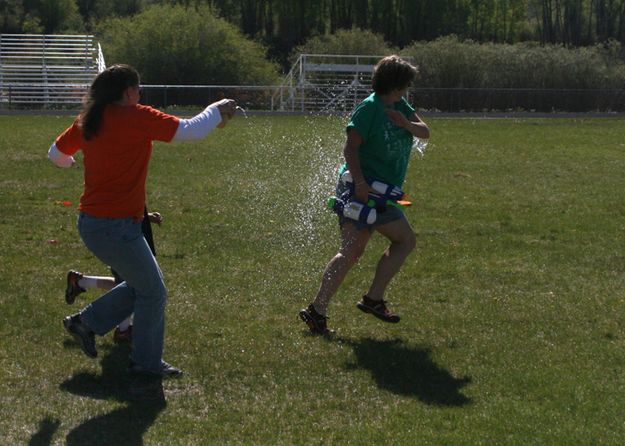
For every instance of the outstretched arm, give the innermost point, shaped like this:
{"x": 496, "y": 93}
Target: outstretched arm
{"x": 204, "y": 122}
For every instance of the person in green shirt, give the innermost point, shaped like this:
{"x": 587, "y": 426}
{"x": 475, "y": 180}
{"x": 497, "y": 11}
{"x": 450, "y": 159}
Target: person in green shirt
{"x": 379, "y": 141}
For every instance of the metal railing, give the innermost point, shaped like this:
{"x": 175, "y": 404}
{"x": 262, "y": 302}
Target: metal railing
{"x": 518, "y": 99}
{"x": 266, "y": 98}
{"x": 326, "y": 82}
{"x": 262, "y": 98}
{"x": 47, "y": 70}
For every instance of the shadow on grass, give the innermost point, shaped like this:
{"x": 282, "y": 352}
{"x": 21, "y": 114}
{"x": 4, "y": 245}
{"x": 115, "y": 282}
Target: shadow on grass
{"x": 144, "y": 400}
{"x": 406, "y": 370}
{"x": 47, "y": 428}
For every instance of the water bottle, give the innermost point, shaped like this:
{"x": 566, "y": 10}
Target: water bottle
{"x": 346, "y": 178}
{"x": 387, "y": 190}
{"x": 379, "y": 187}
{"x": 353, "y": 209}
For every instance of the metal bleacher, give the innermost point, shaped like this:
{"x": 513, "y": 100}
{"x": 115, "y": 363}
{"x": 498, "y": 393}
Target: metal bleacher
{"x": 326, "y": 83}
{"x": 45, "y": 70}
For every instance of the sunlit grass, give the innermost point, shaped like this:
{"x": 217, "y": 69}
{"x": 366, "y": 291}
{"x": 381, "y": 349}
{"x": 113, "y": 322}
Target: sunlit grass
{"x": 512, "y": 304}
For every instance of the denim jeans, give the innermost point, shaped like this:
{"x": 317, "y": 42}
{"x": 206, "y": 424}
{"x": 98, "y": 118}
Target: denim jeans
{"x": 119, "y": 243}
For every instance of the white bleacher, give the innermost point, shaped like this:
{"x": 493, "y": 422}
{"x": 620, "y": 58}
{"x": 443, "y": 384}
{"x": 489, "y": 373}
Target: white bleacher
{"x": 44, "y": 70}
{"x": 326, "y": 83}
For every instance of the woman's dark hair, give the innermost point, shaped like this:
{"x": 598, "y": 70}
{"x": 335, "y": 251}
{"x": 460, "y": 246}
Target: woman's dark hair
{"x": 392, "y": 73}
{"x": 107, "y": 87}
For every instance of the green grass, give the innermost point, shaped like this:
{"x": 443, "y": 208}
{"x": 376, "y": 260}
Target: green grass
{"x": 512, "y": 305}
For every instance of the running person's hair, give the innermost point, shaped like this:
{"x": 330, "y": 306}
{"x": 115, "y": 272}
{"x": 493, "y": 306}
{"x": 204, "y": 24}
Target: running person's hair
{"x": 106, "y": 88}
{"x": 392, "y": 73}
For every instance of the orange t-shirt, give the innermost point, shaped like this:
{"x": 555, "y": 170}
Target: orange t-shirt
{"x": 116, "y": 159}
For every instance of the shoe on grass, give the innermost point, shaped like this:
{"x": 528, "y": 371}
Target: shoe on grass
{"x": 166, "y": 371}
{"x": 82, "y": 333}
{"x": 73, "y": 289}
{"x": 317, "y": 323}
{"x": 122, "y": 336}
{"x": 378, "y": 309}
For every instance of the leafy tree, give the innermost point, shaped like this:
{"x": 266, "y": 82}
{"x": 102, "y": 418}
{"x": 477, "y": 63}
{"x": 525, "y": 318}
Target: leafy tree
{"x": 450, "y": 63}
{"x": 179, "y": 45}
{"x": 355, "y": 42}
{"x": 55, "y": 16}
{"x": 93, "y": 9}
{"x": 11, "y": 16}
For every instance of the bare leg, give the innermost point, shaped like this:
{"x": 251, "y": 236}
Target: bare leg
{"x": 353, "y": 243}
{"x": 106, "y": 283}
{"x": 403, "y": 241}
{"x": 102, "y": 282}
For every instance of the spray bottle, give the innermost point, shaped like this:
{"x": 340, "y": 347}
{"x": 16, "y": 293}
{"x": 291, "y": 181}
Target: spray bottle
{"x": 353, "y": 209}
{"x": 386, "y": 190}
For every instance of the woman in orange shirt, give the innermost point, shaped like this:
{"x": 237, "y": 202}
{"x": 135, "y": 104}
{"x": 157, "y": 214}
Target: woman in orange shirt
{"x": 115, "y": 134}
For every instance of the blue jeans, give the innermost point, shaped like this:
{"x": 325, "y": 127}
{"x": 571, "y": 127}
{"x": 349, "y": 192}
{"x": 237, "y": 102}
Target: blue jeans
{"x": 119, "y": 243}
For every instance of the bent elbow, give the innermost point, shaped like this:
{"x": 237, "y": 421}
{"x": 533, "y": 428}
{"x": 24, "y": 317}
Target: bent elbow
{"x": 59, "y": 158}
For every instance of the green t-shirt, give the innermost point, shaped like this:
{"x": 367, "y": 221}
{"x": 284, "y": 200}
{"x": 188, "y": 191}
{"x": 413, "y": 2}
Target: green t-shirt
{"x": 385, "y": 149}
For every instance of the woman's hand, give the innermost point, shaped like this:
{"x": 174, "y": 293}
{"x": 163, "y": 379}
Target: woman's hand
{"x": 155, "y": 217}
{"x": 361, "y": 192}
{"x": 413, "y": 124}
{"x": 226, "y": 107}
{"x": 397, "y": 118}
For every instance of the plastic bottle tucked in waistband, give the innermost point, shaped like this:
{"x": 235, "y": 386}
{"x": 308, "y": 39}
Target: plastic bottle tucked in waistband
{"x": 387, "y": 190}
{"x": 346, "y": 178}
{"x": 354, "y": 210}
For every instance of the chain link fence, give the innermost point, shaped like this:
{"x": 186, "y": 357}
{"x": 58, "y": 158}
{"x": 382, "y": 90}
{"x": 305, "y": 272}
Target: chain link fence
{"x": 529, "y": 100}
{"x": 271, "y": 99}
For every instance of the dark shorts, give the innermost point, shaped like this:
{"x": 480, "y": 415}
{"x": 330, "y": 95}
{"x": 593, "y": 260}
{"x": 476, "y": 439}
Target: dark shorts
{"x": 386, "y": 215}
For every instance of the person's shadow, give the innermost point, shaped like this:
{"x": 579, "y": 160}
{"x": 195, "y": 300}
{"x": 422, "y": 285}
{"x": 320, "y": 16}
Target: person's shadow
{"x": 47, "y": 428}
{"x": 144, "y": 400}
{"x": 406, "y": 370}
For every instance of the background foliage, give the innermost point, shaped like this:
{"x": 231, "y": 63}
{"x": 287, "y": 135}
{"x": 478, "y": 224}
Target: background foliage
{"x": 284, "y": 24}
{"x": 459, "y": 43}
{"x": 354, "y": 41}
{"x": 170, "y": 46}
{"x": 449, "y": 63}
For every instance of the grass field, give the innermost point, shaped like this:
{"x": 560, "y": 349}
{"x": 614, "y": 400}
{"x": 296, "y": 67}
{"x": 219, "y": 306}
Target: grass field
{"x": 513, "y": 328}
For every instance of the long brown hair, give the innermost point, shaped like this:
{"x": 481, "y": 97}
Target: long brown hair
{"x": 106, "y": 88}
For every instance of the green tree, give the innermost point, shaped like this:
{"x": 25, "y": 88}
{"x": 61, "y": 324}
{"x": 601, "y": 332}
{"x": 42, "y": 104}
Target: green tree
{"x": 496, "y": 20}
{"x": 179, "y": 45}
{"x": 448, "y": 62}
{"x": 11, "y": 16}
{"x": 93, "y": 9}
{"x": 355, "y": 42}
{"x": 56, "y": 16}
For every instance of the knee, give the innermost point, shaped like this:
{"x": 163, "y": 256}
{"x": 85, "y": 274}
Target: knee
{"x": 162, "y": 292}
{"x": 350, "y": 257}
{"x": 413, "y": 241}
{"x": 160, "y": 296}
{"x": 157, "y": 290}
{"x": 409, "y": 243}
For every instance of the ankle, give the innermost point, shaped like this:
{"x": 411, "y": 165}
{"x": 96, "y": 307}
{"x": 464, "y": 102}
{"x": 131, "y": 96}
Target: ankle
{"x": 369, "y": 299}
{"x": 82, "y": 320}
{"x": 317, "y": 312}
